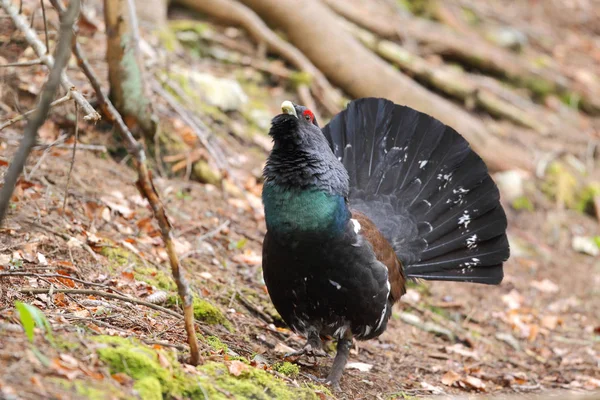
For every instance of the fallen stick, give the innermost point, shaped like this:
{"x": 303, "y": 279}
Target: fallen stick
{"x": 42, "y": 52}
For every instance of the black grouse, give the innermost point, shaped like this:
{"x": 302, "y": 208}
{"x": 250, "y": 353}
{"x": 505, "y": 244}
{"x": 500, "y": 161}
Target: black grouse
{"x": 381, "y": 194}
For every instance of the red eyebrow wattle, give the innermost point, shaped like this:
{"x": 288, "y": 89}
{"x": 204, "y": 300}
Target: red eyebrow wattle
{"x": 309, "y": 113}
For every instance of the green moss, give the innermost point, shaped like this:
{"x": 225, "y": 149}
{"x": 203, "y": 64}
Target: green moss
{"x": 155, "y": 277}
{"x": 522, "y": 203}
{"x": 119, "y": 257}
{"x": 252, "y": 383}
{"x": 216, "y": 344}
{"x": 148, "y": 388}
{"x": 560, "y": 185}
{"x": 204, "y": 311}
{"x": 154, "y": 380}
{"x": 300, "y": 78}
{"x": 89, "y": 390}
{"x": 141, "y": 362}
{"x": 183, "y": 25}
{"x": 540, "y": 87}
{"x": 585, "y": 198}
{"x": 287, "y": 368}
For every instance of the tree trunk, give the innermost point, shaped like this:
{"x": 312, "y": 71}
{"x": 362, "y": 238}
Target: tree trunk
{"x": 128, "y": 89}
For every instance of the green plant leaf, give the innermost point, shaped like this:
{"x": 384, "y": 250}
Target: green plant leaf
{"x": 30, "y": 317}
{"x": 26, "y": 319}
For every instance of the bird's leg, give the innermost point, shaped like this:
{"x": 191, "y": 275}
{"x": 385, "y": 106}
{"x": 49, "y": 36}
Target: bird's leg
{"x": 341, "y": 357}
{"x": 313, "y": 347}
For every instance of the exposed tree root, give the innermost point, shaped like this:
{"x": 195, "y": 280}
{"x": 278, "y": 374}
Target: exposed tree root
{"x": 237, "y": 14}
{"x": 469, "y": 50}
{"x": 361, "y": 73}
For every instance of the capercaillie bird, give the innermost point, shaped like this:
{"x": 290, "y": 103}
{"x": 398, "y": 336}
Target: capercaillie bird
{"x": 380, "y": 195}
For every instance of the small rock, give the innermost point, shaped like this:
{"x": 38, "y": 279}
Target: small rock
{"x": 510, "y": 184}
{"x": 204, "y": 173}
{"x": 226, "y": 94}
{"x": 585, "y": 245}
{"x": 509, "y": 38}
{"x": 362, "y": 367}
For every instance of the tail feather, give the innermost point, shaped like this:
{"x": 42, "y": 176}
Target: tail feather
{"x": 425, "y": 189}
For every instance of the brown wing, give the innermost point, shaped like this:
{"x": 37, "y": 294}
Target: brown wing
{"x": 384, "y": 253}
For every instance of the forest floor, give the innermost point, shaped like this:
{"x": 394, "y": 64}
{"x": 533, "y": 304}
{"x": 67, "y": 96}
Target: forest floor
{"x": 537, "y": 332}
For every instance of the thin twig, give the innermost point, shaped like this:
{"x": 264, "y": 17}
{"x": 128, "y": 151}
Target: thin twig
{"x": 45, "y": 26}
{"x": 147, "y": 189}
{"x": 22, "y": 64}
{"x": 18, "y": 118}
{"x": 60, "y": 139}
{"x": 92, "y": 292}
{"x": 48, "y": 60}
{"x": 87, "y": 283}
{"x": 72, "y": 157}
{"x": 63, "y": 52}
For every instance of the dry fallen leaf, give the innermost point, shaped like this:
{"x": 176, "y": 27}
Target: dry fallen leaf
{"x": 236, "y": 367}
{"x": 513, "y": 299}
{"x": 462, "y": 350}
{"x": 546, "y": 286}
{"x": 551, "y": 322}
{"x": 450, "y": 378}
{"x": 473, "y": 382}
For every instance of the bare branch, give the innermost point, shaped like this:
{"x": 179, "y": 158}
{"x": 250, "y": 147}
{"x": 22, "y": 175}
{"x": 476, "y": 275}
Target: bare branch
{"x": 22, "y": 63}
{"x": 18, "y": 118}
{"x": 62, "y": 55}
{"x": 48, "y": 60}
{"x": 72, "y": 157}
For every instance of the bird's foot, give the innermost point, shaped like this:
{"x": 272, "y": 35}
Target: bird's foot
{"x": 333, "y": 383}
{"x": 309, "y": 349}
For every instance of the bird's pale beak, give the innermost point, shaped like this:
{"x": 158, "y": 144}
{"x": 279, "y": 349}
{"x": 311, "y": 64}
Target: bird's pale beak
{"x": 288, "y": 108}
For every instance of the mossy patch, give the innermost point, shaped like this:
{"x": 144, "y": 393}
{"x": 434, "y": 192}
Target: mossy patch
{"x": 216, "y": 344}
{"x": 287, "y": 368}
{"x": 155, "y": 277}
{"x": 155, "y": 380}
{"x": 89, "y": 390}
{"x": 204, "y": 311}
{"x": 252, "y": 383}
{"x": 522, "y": 203}
{"x": 148, "y": 388}
{"x": 585, "y": 197}
{"x": 119, "y": 257}
{"x": 141, "y": 362}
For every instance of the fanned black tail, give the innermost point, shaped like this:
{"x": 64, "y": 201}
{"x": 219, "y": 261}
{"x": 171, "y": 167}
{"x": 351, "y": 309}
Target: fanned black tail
{"x": 424, "y": 188}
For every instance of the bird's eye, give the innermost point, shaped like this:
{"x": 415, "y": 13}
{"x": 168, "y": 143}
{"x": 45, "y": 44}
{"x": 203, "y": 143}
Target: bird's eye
{"x": 308, "y": 115}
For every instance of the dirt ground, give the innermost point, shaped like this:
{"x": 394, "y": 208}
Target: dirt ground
{"x": 536, "y": 333}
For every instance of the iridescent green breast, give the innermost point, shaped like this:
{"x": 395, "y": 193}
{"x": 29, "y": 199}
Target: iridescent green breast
{"x": 290, "y": 210}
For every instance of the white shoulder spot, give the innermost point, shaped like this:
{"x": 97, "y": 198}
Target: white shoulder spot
{"x": 356, "y": 225}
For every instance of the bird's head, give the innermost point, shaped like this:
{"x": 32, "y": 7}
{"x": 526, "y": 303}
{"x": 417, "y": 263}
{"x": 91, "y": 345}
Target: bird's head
{"x": 301, "y": 156}
{"x": 296, "y": 127}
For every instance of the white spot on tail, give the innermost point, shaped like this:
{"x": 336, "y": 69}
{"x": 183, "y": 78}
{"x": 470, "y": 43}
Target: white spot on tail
{"x": 464, "y": 219}
{"x": 337, "y": 285}
{"x": 368, "y": 330}
{"x": 356, "y": 225}
{"x": 472, "y": 242}
{"x": 423, "y": 163}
